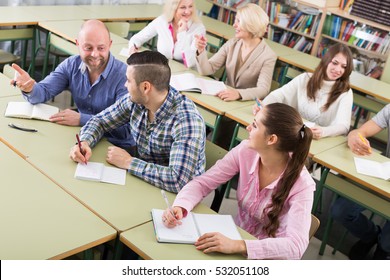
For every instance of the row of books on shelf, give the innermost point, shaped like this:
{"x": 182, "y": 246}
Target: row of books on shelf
{"x": 361, "y": 36}
{"x": 284, "y": 16}
{"x": 346, "y": 5}
{"x": 295, "y": 41}
{"x": 374, "y": 10}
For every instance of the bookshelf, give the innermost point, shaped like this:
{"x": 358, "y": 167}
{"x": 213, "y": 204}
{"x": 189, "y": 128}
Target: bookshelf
{"x": 227, "y": 8}
{"x": 311, "y": 26}
{"x": 294, "y": 25}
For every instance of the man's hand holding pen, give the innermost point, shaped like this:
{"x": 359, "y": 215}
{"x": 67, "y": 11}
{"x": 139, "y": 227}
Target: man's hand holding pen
{"x": 81, "y": 152}
{"x": 22, "y": 79}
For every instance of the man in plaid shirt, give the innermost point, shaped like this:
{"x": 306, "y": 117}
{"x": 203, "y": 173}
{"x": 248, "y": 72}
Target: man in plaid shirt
{"x": 168, "y": 129}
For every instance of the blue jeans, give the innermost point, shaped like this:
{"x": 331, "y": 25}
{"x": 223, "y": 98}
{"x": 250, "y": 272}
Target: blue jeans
{"x": 349, "y": 214}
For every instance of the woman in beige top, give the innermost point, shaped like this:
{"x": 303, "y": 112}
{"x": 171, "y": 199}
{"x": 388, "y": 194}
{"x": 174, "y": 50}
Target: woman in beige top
{"x": 249, "y": 61}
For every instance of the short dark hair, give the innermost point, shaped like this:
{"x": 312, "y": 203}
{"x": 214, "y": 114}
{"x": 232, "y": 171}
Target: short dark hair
{"x": 151, "y": 66}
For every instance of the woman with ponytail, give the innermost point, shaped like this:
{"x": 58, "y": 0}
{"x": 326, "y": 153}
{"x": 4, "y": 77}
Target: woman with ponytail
{"x": 274, "y": 192}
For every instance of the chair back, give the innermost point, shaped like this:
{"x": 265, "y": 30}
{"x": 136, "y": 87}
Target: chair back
{"x": 16, "y": 34}
{"x": 63, "y": 45}
{"x": 315, "y": 224}
{"x": 120, "y": 28}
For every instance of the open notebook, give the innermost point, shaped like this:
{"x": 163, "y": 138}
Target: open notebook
{"x": 188, "y": 82}
{"x": 193, "y": 226}
{"x": 95, "y": 171}
{"x": 26, "y": 110}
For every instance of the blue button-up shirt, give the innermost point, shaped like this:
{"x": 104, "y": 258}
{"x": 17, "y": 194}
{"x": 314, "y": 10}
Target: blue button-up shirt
{"x": 90, "y": 99}
{"x": 171, "y": 148}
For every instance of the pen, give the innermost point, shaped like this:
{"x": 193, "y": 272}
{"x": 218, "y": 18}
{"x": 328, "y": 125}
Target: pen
{"x": 258, "y": 103}
{"x": 16, "y": 75}
{"x": 167, "y": 202}
{"x": 81, "y": 149}
{"x": 364, "y": 141}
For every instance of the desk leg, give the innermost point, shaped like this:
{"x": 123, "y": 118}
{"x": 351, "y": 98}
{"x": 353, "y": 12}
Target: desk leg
{"x": 118, "y": 248}
{"x": 327, "y": 229}
{"x": 320, "y": 187}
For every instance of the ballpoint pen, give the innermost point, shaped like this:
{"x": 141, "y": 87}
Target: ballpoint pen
{"x": 81, "y": 149}
{"x": 168, "y": 204}
{"x": 258, "y": 103}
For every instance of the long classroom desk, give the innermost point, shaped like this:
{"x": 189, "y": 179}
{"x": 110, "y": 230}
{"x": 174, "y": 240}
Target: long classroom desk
{"x": 39, "y": 220}
{"x": 143, "y": 241}
{"x": 123, "y": 207}
{"x": 133, "y": 12}
{"x": 69, "y": 30}
{"x": 31, "y": 15}
{"x": 6, "y": 89}
{"x": 340, "y": 159}
{"x": 369, "y": 192}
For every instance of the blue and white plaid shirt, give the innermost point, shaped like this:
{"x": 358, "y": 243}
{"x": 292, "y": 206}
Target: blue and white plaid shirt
{"x": 171, "y": 148}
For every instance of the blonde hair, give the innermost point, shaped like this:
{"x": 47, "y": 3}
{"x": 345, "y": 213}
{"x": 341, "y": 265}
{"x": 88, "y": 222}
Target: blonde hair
{"x": 253, "y": 19}
{"x": 170, "y": 8}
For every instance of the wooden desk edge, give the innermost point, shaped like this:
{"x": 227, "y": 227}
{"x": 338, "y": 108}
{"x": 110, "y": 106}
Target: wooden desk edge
{"x": 369, "y": 186}
{"x": 85, "y": 247}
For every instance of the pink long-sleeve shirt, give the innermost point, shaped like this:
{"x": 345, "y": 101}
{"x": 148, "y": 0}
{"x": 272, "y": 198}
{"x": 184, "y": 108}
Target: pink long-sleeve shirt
{"x": 292, "y": 236}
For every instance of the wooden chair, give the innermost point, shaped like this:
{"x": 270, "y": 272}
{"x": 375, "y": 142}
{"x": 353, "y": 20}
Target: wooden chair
{"x": 120, "y": 28}
{"x": 17, "y": 34}
{"x": 211, "y": 119}
{"x": 315, "y": 224}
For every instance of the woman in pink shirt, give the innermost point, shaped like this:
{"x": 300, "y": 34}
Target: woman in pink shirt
{"x": 274, "y": 193}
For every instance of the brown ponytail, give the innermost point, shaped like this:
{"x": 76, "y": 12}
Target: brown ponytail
{"x": 293, "y": 137}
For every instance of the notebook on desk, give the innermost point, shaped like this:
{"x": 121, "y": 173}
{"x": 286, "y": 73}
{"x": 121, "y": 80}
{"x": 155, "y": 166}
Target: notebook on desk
{"x": 188, "y": 82}
{"x": 193, "y": 226}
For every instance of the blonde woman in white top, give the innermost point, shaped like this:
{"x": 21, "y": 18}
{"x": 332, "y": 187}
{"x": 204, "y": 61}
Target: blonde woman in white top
{"x": 323, "y": 97}
{"x": 175, "y": 29}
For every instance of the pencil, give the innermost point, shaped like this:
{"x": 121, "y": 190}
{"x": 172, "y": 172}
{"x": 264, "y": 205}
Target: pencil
{"x": 364, "y": 141}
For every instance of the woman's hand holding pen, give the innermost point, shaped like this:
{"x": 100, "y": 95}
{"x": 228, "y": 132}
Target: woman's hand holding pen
{"x": 200, "y": 43}
{"x": 170, "y": 219}
{"x": 66, "y": 117}
{"x": 257, "y": 107}
{"x": 22, "y": 79}
{"x": 133, "y": 49}
{"x": 359, "y": 144}
{"x": 83, "y": 155}
{"x": 217, "y": 242}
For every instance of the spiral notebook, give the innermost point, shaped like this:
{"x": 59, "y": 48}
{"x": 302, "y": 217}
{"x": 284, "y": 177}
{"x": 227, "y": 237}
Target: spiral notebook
{"x": 193, "y": 226}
